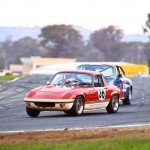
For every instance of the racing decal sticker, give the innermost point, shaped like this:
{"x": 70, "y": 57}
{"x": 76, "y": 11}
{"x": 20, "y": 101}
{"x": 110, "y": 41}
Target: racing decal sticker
{"x": 101, "y": 93}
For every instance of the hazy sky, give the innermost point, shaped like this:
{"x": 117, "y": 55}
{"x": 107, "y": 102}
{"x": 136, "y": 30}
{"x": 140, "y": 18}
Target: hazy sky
{"x": 128, "y": 15}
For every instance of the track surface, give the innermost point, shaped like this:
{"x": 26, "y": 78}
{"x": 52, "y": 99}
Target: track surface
{"x": 13, "y": 116}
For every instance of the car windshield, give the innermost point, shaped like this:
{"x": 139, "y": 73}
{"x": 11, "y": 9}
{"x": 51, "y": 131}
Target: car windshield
{"x": 106, "y": 70}
{"x": 71, "y": 78}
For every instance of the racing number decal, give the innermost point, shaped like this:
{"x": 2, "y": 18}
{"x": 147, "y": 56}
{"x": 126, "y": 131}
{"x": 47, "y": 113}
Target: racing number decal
{"x": 101, "y": 93}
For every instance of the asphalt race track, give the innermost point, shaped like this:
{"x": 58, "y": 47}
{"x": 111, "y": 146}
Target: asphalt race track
{"x": 13, "y": 116}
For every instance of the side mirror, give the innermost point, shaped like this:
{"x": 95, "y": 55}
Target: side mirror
{"x": 119, "y": 75}
{"x": 48, "y": 83}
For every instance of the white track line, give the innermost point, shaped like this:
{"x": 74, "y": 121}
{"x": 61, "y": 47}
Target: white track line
{"x": 107, "y": 127}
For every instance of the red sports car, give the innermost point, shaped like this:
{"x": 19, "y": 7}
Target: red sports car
{"x": 73, "y": 92}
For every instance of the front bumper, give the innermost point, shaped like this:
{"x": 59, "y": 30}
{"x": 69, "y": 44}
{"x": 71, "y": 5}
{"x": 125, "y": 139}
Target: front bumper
{"x": 49, "y": 104}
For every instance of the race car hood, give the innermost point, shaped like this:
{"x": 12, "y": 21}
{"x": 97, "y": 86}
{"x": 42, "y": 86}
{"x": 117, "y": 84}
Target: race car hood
{"x": 53, "y": 92}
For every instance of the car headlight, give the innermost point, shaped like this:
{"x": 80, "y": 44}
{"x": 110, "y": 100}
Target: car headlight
{"x": 30, "y": 94}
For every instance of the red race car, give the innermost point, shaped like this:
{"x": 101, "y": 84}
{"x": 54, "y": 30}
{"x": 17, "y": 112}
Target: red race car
{"x": 73, "y": 92}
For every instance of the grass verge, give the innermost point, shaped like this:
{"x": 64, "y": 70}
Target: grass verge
{"x": 9, "y": 77}
{"x": 112, "y": 144}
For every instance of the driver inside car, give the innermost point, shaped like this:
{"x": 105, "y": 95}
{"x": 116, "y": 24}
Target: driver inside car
{"x": 71, "y": 79}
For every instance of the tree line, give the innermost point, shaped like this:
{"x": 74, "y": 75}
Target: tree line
{"x": 64, "y": 41}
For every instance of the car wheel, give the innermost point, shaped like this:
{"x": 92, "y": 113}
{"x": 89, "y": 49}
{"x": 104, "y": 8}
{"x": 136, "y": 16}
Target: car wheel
{"x": 113, "y": 105}
{"x": 128, "y": 99}
{"x": 78, "y": 106}
{"x": 32, "y": 112}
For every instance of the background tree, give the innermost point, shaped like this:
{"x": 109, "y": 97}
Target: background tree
{"x": 93, "y": 55}
{"x": 6, "y": 53}
{"x": 25, "y": 47}
{"x": 61, "y": 41}
{"x": 146, "y": 28}
{"x": 12, "y": 51}
{"x": 131, "y": 52}
{"x": 104, "y": 39}
{"x": 147, "y": 52}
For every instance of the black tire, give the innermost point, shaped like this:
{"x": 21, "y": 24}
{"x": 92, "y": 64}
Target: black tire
{"x": 128, "y": 99}
{"x": 113, "y": 105}
{"x": 32, "y": 112}
{"x": 78, "y": 106}
{"x": 67, "y": 112}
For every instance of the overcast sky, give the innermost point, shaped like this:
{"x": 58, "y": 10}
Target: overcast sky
{"x": 128, "y": 15}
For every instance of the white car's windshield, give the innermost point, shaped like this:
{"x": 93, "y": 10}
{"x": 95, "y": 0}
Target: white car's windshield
{"x": 106, "y": 70}
{"x": 69, "y": 78}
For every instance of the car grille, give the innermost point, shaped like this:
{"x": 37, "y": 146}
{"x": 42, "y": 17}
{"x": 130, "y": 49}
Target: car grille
{"x": 42, "y": 104}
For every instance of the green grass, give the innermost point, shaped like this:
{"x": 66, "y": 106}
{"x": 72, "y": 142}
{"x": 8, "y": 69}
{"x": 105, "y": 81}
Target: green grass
{"x": 115, "y": 144}
{"x": 9, "y": 77}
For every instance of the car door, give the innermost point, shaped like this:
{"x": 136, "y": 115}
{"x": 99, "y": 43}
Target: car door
{"x": 125, "y": 82}
{"x": 102, "y": 90}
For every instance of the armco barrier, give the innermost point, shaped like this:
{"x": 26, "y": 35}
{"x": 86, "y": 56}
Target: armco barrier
{"x": 132, "y": 70}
